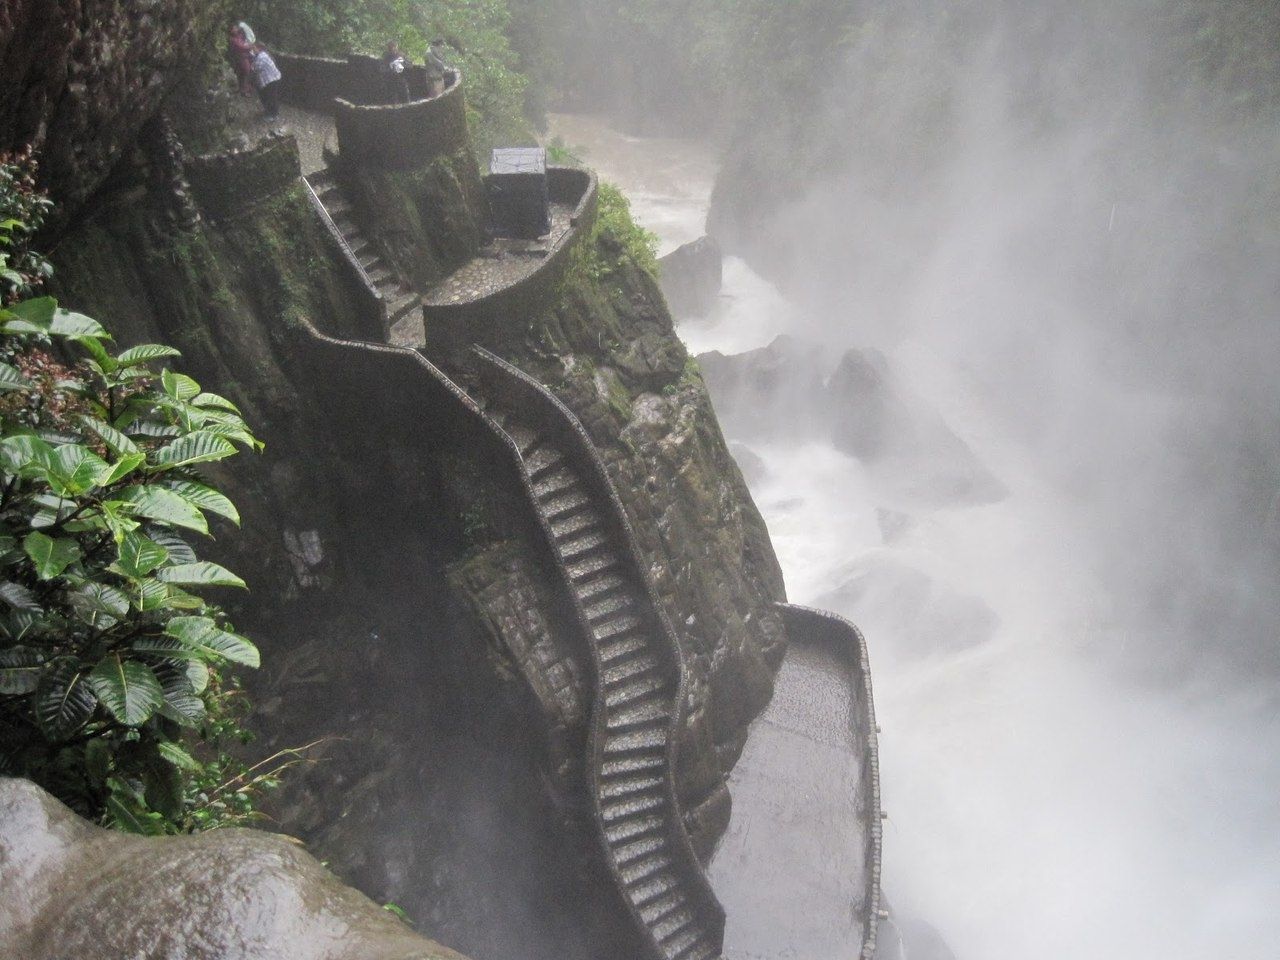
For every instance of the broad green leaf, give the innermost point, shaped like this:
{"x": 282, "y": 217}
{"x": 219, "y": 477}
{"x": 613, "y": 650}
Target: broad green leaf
{"x": 199, "y": 447}
{"x": 31, "y": 316}
{"x": 198, "y": 674}
{"x": 144, "y": 352}
{"x": 75, "y": 469}
{"x": 213, "y": 400}
{"x": 202, "y": 574}
{"x": 20, "y": 669}
{"x": 157, "y": 503}
{"x": 201, "y": 633}
{"x": 129, "y": 813}
{"x": 206, "y": 498}
{"x": 19, "y": 597}
{"x": 51, "y": 556}
{"x": 152, "y": 595}
{"x": 68, "y": 324}
{"x": 167, "y": 648}
{"x": 139, "y": 555}
{"x": 181, "y": 704}
{"x": 175, "y": 755}
{"x": 127, "y": 688}
{"x": 179, "y": 385}
{"x": 106, "y": 363}
{"x": 23, "y": 451}
{"x": 120, "y": 469}
{"x": 11, "y": 378}
{"x": 229, "y": 432}
{"x": 150, "y": 428}
{"x": 120, "y": 444}
{"x": 98, "y": 604}
{"x": 179, "y": 550}
{"x": 63, "y": 700}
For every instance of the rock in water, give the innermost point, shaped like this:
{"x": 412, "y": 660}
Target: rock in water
{"x": 71, "y": 889}
{"x": 876, "y": 419}
{"x": 776, "y": 391}
{"x": 692, "y": 276}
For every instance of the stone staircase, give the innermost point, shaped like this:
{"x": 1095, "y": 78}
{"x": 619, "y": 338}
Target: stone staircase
{"x": 401, "y": 299}
{"x": 638, "y": 695}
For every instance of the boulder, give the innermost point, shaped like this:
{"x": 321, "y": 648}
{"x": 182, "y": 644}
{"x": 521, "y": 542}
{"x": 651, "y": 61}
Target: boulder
{"x": 72, "y": 889}
{"x": 775, "y": 391}
{"x": 915, "y": 616}
{"x": 692, "y": 276}
{"x": 877, "y": 419}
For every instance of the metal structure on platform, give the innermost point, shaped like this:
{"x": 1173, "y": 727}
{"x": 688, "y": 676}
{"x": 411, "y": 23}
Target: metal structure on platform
{"x": 518, "y": 194}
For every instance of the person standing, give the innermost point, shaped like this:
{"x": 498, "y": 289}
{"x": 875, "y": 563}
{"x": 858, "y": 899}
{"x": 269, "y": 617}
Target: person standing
{"x": 436, "y": 68}
{"x": 240, "y": 56}
{"x": 394, "y": 74}
{"x": 266, "y": 76}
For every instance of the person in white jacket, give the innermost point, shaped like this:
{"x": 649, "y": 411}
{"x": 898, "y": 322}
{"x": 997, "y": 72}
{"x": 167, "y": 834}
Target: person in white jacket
{"x": 266, "y": 77}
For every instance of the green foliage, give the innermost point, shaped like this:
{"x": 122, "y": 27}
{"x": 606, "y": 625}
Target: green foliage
{"x": 109, "y": 661}
{"x": 475, "y": 32}
{"x": 614, "y": 237}
{"x": 22, "y": 213}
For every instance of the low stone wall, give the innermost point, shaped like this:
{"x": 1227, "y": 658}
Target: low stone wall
{"x": 399, "y": 136}
{"x": 487, "y": 321}
{"x": 224, "y": 184}
{"x": 314, "y": 83}
{"x": 820, "y": 627}
{"x": 374, "y": 318}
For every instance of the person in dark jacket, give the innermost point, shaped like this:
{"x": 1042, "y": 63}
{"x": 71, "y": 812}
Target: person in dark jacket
{"x": 436, "y": 68}
{"x": 240, "y": 56}
{"x": 395, "y": 77}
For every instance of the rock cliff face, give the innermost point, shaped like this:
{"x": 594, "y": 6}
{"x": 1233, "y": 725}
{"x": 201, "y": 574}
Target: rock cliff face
{"x": 65, "y": 885}
{"x": 82, "y": 77}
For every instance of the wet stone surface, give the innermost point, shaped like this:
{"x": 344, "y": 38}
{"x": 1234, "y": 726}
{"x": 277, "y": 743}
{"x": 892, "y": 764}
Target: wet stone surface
{"x": 789, "y": 870}
{"x": 312, "y": 130}
{"x": 502, "y": 263}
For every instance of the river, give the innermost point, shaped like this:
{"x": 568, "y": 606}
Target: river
{"x": 1041, "y": 803}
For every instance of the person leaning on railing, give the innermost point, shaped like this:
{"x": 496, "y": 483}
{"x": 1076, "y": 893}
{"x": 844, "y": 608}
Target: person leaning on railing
{"x": 395, "y": 78}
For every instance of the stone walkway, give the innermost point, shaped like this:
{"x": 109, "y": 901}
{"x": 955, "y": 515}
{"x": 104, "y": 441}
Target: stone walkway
{"x": 312, "y": 130}
{"x": 501, "y": 263}
{"x": 789, "y": 871}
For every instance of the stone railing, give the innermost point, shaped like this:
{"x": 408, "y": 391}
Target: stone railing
{"x": 827, "y": 629}
{"x": 374, "y": 313}
{"x": 396, "y": 136}
{"x": 227, "y": 184}
{"x": 516, "y": 390}
{"x": 487, "y": 320}
{"x": 314, "y": 83}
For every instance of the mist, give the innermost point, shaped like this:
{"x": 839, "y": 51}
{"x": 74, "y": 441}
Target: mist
{"x": 1060, "y": 230}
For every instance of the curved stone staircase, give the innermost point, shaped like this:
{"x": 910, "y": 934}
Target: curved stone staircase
{"x": 637, "y": 713}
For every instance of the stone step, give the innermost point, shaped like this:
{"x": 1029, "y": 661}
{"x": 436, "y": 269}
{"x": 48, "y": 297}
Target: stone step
{"x": 628, "y": 830}
{"x": 320, "y": 178}
{"x": 616, "y": 650}
{"x": 526, "y": 439}
{"x": 636, "y": 873}
{"x": 579, "y": 522}
{"x": 702, "y": 950}
{"x": 667, "y": 928}
{"x": 582, "y": 546}
{"x": 645, "y": 712}
{"x": 555, "y": 484}
{"x": 382, "y": 276}
{"x": 637, "y": 688}
{"x": 625, "y": 854}
{"x": 601, "y": 587}
{"x": 403, "y": 307}
{"x": 582, "y": 570}
{"x": 608, "y": 607}
{"x": 652, "y": 889}
{"x": 632, "y": 806}
{"x": 618, "y": 625}
{"x": 617, "y": 673}
{"x": 547, "y": 458}
{"x": 636, "y": 741}
{"x": 628, "y": 766}
{"x": 677, "y": 945}
{"x": 560, "y": 506}
{"x": 374, "y": 264}
{"x": 653, "y": 912}
{"x": 624, "y": 787}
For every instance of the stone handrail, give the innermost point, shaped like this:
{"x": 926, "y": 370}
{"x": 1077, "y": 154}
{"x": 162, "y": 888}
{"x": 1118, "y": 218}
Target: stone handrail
{"x": 374, "y": 303}
{"x": 536, "y": 403}
{"x": 819, "y": 626}
{"x": 314, "y": 83}
{"x": 226, "y": 184}
{"x": 487, "y": 320}
{"x": 396, "y": 136}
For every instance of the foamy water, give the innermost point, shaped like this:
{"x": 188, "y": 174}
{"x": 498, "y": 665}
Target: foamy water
{"x": 1040, "y": 805}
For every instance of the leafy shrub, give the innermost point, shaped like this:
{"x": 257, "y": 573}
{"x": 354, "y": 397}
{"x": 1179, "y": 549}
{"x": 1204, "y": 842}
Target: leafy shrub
{"x": 111, "y": 693}
{"x": 615, "y": 238}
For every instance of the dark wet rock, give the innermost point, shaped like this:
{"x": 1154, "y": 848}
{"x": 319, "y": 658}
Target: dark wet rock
{"x": 692, "y": 276}
{"x": 768, "y": 392}
{"x": 752, "y": 465}
{"x": 877, "y": 419}
{"x": 71, "y": 889}
{"x": 83, "y": 78}
{"x": 914, "y": 614}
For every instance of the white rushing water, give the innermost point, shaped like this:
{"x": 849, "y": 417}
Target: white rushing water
{"x": 1041, "y": 804}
